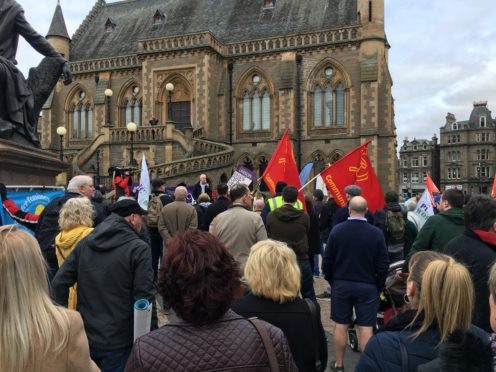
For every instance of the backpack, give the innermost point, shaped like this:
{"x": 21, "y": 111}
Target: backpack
{"x": 395, "y": 226}
{"x": 154, "y": 209}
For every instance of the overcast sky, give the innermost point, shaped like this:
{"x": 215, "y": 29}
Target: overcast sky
{"x": 442, "y": 56}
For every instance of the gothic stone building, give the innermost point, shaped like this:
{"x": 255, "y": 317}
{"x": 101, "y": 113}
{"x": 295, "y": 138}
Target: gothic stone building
{"x": 468, "y": 151}
{"x": 242, "y": 71}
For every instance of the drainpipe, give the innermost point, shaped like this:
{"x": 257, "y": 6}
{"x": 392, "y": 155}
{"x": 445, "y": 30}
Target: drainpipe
{"x": 230, "y": 67}
{"x": 299, "y": 128}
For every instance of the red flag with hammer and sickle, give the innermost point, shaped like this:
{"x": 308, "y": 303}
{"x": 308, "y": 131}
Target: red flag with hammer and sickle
{"x": 354, "y": 169}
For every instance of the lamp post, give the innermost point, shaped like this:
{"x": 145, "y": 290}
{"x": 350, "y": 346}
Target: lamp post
{"x": 98, "y": 167}
{"x": 169, "y": 87}
{"x": 108, "y": 93}
{"x": 131, "y": 127}
{"x": 61, "y": 131}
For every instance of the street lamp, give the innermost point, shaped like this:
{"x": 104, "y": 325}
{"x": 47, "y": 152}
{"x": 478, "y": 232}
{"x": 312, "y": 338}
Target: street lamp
{"x": 108, "y": 93}
{"x": 61, "y": 131}
{"x": 131, "y": 127}
{"x": 169, "y": 87}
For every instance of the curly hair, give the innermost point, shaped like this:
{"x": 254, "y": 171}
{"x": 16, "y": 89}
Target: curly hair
{"x": 198, "y": 277}
{"x": 76, "y": 212}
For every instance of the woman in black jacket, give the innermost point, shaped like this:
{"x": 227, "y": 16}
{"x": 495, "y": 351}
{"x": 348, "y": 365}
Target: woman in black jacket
{"x": 441, "y": 293}
{"x": 273, "y": 275}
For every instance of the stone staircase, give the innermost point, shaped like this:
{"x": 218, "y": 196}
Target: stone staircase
{"x": 200, "y": 155}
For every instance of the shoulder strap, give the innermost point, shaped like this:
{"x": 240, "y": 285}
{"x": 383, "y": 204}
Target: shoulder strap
{"x": 315, "y": 327}
{"x": 269, "y": 346}
{"x": 404, "y": 355}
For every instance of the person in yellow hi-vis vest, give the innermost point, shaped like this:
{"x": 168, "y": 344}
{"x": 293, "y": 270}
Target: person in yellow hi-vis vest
{"x": 277, "y": 202}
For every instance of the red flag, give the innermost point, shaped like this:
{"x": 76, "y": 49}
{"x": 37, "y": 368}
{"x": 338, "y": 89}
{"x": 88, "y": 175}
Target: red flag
{"x": 493, "y": 193}
{"x": 431, "y": 187}
{"x": 282, "y": 167}
{"x": 354, "y": 169}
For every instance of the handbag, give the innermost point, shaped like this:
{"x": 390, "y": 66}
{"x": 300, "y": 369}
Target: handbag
{"x": 268, "y": 345}
{"x": 319, "y": 366}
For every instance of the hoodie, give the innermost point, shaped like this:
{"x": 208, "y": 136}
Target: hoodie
{"x": 113, "y": 269}
{"x": 290, "y": 225}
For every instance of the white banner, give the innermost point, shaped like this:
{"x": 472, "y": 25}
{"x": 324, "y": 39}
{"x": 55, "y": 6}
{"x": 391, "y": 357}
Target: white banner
{"x": 144, "y": 186}
{"x": 320, "y": 184}
{"x": 424, "y": 208}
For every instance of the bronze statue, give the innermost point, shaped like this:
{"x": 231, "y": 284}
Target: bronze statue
{"x": 21, "y": 100}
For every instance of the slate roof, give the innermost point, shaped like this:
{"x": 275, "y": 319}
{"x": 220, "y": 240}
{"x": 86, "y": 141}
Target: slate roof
{"x": 228, "y": 20}
{"x": 57, "y": 27}
{"x": 480, "y": 109}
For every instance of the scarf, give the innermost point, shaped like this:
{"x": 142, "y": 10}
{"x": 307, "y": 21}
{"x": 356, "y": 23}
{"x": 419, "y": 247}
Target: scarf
{"x": 486, "y": 236}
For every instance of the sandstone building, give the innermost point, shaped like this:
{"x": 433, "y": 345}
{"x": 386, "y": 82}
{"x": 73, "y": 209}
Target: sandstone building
{"x": 242, "y": 71}
{"x": 418, "y": 157}
{"x": 468, "y": 151}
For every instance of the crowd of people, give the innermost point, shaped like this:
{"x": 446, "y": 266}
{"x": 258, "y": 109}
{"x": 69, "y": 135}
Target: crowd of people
{"x": 238, "y": 272}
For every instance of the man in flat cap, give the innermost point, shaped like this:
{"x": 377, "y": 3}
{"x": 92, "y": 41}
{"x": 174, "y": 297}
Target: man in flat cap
{"x": 112, "y": 267}
{"x": 342, "y": 214}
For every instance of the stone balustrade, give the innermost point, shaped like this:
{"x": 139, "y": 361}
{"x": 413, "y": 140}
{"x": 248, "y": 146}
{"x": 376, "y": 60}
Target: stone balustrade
{"x": 142, "y": 134}
{"x": 217, "y": 155}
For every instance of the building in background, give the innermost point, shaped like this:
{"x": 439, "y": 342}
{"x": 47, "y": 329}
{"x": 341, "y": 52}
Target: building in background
{"x": 468, "y": 151}
{"x": 213, "y": 84}
{"x": 418, "y": 157}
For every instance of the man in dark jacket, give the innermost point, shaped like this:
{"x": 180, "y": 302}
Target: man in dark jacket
{"x": 391, "y": 221}
{"x": 441, "y": 228}
{"x": 48, "y": 222}
{"x": 220, "y": 205}
{"x": 355, "y": 264}
{"x": 112, "y": 268}
{"x": 342, "y": 213}
{"x": 201, "y": 187}
{"x": 476, "y": 249}
{"x": 290, "y": 225}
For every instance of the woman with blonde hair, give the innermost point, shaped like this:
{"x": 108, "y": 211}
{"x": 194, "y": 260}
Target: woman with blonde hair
{"x": 441, "y": 291}
{"x": 273, "y": 275}
{"x": 35, "y": 335}
{"x": 75, "y": 222}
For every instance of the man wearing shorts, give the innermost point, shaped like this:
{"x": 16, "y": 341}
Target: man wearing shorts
{"x": 355, "y": 264}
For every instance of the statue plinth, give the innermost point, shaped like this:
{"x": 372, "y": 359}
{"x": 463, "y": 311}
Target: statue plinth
{"x": 25, "y": 165}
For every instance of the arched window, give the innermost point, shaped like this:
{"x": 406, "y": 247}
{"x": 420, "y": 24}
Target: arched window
{"x": 327, "y": 99}
{"x": 130, "y": 106}
{"x": 317, "y": 107}
{"x": 246, "y": 112}
{"x": 266, "y": 111}
{"x": 81, "y": 116}
{"x": 255, "y": 105}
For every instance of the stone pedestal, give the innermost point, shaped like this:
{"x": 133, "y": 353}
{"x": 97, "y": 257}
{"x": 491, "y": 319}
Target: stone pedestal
{"x": 24, "y": 165}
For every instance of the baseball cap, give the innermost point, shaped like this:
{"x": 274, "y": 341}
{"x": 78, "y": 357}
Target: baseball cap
{"x": 127, "y": 207}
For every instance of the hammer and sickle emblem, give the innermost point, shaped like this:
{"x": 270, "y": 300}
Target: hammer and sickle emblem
{"x": 361, "y": 172}
{"x": 281, "y": 161}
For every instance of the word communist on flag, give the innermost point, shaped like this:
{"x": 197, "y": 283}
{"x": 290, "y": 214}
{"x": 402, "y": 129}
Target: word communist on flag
{"x": 354, "y": 168}
{"x": 282, "y": 167}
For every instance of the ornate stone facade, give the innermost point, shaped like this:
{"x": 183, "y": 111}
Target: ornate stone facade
{"x": 240, "y": 78}
{"x": 468, "y": 151}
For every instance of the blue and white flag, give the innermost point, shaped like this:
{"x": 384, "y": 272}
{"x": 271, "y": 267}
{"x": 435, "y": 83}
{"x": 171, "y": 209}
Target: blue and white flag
{"x": 305, "y": 172}
{"x": 144, "y": 185}
{"x": 424, "y": 208}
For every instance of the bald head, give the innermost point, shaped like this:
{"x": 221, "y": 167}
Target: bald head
{"x": 181, "y": 193}
{"x": 358, "y": 206}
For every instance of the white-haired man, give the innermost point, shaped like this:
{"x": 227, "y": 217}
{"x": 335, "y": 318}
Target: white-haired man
{"x": 48, "y": 222}
{"x": 201, "y": 187}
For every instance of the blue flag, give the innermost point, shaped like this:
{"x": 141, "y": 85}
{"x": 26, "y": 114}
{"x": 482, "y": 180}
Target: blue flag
{"x": 305, "y": 172}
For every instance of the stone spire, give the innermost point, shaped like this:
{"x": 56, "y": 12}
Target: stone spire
{"x": 57, "y": 27}
{"x": 57, "y": 34}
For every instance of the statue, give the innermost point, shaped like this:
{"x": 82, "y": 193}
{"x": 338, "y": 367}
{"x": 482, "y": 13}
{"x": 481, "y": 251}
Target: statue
{"x": 21, "y": 100}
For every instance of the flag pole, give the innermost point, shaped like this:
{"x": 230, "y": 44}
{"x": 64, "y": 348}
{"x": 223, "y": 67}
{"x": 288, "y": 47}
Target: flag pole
{"x": 309, "y": 182}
